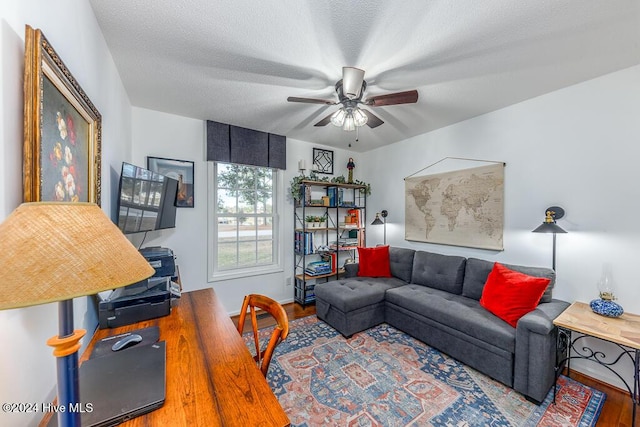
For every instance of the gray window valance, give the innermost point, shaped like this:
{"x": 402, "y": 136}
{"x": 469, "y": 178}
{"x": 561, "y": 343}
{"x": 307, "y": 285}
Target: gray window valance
{"x": 234, "y": 144}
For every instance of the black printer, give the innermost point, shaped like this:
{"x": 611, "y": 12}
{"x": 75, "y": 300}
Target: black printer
{"x": 161, "y": 259}
{"x": 147, "y": 299}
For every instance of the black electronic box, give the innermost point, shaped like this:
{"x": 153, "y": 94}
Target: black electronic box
{"x": 161, "y": 259}
{"x": 147, "y": 299}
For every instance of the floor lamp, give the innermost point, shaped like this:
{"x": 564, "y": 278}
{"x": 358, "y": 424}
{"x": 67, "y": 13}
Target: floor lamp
{"x": 549, "y": 226}
{"x": 60, "y": 251}
{"x": 377, "y": 221}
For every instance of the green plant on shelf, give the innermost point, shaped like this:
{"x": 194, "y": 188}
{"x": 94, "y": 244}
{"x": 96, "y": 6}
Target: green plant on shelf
{"x": 296, "y": 184}
{"x": 315, "y": 221}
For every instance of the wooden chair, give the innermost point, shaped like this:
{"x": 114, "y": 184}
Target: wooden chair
{"x": 279, "y": 334}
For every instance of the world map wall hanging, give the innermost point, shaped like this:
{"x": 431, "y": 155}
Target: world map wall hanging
{"x": 461, "y": 207}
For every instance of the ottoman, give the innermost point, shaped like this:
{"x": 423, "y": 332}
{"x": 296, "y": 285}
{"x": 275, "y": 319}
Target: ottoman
{"x": 353, "y": 305}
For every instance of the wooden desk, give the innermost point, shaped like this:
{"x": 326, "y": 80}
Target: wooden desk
{"x": 212, "y": 379}
{"x": 623, "y": 331}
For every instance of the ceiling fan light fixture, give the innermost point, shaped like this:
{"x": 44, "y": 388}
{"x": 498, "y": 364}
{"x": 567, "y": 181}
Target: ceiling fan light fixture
{"x": 349, "y": 123}
{"x": 350, "y": 91}
{"x": 338, "y": 117}
{"x": 359, "y": 118}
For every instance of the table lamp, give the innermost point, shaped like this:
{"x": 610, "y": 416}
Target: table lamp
{"x": 377, "y": 221}
{"x": 56, "y": 252}
{"x": 549, "y": 226}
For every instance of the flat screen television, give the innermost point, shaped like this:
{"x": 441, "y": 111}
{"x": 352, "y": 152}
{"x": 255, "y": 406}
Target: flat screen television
{"x": 146, "y": 200}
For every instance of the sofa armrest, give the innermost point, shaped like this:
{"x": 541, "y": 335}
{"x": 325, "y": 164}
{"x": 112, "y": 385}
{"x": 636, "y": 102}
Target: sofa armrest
{"x": 535, "y": 358}
{"x": 351, "y": 270}
{"x": 540, "y": 320}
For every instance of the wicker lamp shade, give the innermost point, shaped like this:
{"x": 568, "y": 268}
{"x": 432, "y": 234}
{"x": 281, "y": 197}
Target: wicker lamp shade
{"x": 58, "y": 251}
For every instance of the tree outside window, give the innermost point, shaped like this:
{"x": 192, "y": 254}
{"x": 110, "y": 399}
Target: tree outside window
{"x": 244, "y": 217}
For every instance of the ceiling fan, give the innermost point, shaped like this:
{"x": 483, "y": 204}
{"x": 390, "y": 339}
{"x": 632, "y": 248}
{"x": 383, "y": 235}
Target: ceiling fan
{"x": 350, "y": 90}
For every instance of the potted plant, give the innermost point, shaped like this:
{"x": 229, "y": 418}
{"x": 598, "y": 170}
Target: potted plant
{"x": 296, "y": 183}
{"x": 322, "y": 220}
{"x": 310, "y": 221}
{"x": 295, "y": 188}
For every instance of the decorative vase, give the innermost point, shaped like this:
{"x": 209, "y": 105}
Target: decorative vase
{"x": 605, "y": 306}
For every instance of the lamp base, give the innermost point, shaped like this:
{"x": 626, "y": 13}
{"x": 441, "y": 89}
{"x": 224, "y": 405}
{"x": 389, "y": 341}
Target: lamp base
{"x": 65, "y": 349}
{"x": 66, "y": 345}
{"x": 606, "y": 308}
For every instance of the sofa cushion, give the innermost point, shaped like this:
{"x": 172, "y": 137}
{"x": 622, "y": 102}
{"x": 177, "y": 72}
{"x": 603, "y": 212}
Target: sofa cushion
{"x": 455, "y": 311}
{"x": 477, "y": 271}
{"x": 510, "y": 294}
{"x": 374, "y": 262}
{"x": 444, "y": 272}
{"x": 401, "y": 262}
{"x": 352, "y": 294}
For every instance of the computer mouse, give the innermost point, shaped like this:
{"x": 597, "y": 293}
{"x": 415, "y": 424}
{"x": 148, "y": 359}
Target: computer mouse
{"x": 127, "y": 341}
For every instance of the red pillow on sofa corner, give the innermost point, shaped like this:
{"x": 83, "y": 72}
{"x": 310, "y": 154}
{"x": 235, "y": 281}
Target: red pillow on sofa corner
{"x": 510, "y": 294}
{"x": 374, "y": 262}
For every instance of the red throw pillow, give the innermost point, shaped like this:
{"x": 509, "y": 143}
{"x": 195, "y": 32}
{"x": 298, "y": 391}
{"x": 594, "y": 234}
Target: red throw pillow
{"x": 374, "y": 262}
{"x": 510, "y": 294}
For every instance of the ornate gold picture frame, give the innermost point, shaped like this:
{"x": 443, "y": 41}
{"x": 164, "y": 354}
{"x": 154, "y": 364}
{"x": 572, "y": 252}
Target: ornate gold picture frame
{"x": 62, "y": 129}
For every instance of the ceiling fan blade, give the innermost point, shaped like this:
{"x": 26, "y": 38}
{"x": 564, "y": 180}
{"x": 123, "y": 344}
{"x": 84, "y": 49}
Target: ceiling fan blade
{"x": 311, "y": 100}
{"x": 325, "y": 121}
{"x": 373, "y": 121}
{"x": 352, "y": 82}
{"x": 408, "y": 97}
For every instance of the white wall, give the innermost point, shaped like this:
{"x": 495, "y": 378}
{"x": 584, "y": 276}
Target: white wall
{"x": 165, "y": 135}
{"x": 577, "y": 148}
{"x": 27, "y": 367}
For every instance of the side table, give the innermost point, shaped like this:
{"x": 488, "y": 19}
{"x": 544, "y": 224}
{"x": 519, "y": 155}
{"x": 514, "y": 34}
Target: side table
{"x": 623, "y": 332}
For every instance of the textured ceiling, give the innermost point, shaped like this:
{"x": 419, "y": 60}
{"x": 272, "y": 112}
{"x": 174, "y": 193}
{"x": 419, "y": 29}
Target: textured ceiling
{"x": 238, "y": 61}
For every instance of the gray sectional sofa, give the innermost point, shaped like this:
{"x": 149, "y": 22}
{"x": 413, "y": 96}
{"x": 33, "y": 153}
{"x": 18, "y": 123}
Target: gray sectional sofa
{"x": 435, "y": 298}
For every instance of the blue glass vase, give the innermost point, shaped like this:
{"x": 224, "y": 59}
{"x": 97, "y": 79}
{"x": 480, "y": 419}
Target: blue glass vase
{"x": 606, "y": 308}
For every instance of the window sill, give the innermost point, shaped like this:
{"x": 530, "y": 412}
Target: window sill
{"x": 240, "y": 273}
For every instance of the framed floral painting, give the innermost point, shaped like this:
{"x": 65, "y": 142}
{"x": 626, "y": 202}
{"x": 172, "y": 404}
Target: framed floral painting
{"x": 62, "y": 129}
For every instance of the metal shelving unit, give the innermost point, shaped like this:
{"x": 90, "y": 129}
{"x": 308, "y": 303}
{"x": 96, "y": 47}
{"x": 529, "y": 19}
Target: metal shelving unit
{"x": 334, "y": 242}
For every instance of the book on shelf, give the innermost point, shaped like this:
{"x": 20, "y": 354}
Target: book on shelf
{"x": 304, "y": 294}
{"x": 303, "y": 284}
{"x": 347, "y": 242}
{"x": 331, "y": 258}
{"x": 354, "y": 216}
{"x": 317, "y": 268}
{"x": 303, "y": 242}
{"x": 307, "y": 300}
{"x": 332, "y": 192}
{"x": 348, "y": 225}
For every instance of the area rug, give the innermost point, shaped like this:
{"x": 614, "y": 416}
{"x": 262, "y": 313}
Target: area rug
{"x": 384, "y": 377}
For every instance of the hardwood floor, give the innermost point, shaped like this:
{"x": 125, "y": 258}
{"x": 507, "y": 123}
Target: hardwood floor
{"x": 617, "y": 408}
{"x": 294, "y": 311}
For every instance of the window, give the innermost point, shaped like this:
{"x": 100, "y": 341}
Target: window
{"x": 244, "y": 238}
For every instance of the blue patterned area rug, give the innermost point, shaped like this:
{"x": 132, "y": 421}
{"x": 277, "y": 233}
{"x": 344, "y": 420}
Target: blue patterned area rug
{"x": 384, "y": 377}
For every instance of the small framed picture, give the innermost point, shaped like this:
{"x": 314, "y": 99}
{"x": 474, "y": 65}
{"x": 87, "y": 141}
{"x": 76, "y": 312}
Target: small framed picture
{"x": 323, "y": 161}
{"x": 181, "y": 171}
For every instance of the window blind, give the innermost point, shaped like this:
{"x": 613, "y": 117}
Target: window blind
{"x": 234, "y": 144}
